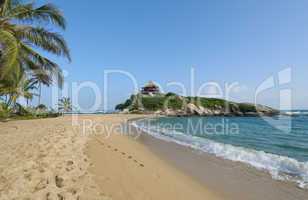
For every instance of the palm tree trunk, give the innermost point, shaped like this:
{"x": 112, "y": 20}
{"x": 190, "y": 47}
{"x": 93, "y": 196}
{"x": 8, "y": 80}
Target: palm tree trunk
{"x": 40, "y": 93}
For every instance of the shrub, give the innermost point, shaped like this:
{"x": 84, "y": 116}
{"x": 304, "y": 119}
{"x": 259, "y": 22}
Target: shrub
{"x": 4, "y": 111}
{"x": 244, "y": 107}
{"x": 41, "y": 107}
{"x": 175, "y": 102}
{"x": 170, "y": 94}
{"x": 153, "y": 103}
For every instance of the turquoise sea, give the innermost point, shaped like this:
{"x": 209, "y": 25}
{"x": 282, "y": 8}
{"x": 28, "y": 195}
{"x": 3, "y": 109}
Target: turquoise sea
{"x": 277, "y": 145}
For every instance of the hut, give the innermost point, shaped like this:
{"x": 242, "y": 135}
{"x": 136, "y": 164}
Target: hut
{"x": 150, "y": 89}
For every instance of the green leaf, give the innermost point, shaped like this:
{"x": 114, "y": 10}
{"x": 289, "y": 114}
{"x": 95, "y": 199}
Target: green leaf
{"x": 8, "y": 50}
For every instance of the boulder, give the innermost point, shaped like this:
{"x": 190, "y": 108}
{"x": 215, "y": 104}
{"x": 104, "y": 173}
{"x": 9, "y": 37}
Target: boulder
{"x": 265, "y": 110}
{"x": 170, "y": 112}
{"x": 193, "y": 109}
{"x": 217, "y": 112}
{"x": 159, "y": 112}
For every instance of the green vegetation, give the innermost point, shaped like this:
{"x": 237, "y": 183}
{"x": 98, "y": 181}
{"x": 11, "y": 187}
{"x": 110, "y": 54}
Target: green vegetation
{"x": 21, "y": 113}
{"x": 4, "y": 111}
{"x": 16, "y": 85}
{"x": 170, "y": 94}
{"x": 151, "y": 103}
{"x": 244, "y": 107}
{"x": 175, "y": 102}
{"x": 126, "y": 104}
{"x": 41, "y": 107}
{"x": 25, "y": 28}
{"x": 65, "y": 105}
{"x": 22, "y": 31}
{"x": 139, "y": 103}
{"x": 213, "y": 103}
{"x": 170, "y": 101}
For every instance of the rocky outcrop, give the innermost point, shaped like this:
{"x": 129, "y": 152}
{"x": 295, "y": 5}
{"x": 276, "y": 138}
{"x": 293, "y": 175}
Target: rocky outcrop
{"x": 265, "y": 110}
{"x": 188, "y": 106}
{"x": 192, "y": 109}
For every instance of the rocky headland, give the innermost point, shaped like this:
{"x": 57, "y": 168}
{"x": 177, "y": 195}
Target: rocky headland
{"x": 171, "y": 104}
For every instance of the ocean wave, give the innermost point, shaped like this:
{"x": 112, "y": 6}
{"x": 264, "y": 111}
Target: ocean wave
{"x": 280, "y": 167}
{"x": 296, "y": 113}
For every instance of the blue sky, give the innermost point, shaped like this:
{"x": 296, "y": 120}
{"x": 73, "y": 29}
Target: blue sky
{"x": 243, "y": 41}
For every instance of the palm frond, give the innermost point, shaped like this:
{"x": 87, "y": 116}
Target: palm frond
{"x": 8, "y": 51}
{"x": 49, "y": 41}
{"x": 7, "y": 5}
{"x": 42, "y": 77}
{"x": 65, "y": 104}
{"x": 46, "y": 13}
{"x": 42, "y": 62}
{"x": 4, "y": 6}
{"x": 28, "y": 53}
{"x": 20, "y": 31}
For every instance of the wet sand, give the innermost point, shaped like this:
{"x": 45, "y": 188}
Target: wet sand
{"x": 232, "y": 180}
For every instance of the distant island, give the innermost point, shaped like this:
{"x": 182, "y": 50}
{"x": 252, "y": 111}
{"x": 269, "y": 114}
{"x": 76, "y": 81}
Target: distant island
{"x": 150, "y": 101}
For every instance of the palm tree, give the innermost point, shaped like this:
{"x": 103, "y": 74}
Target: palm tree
{"x": 10, "y": 86}
{"x": 17, "y": 85}
{"x": 21, "y": 34}
{"x": 65, "y": 105}
{"x": 28, "y": 87}
{"x": 41, "y": 78}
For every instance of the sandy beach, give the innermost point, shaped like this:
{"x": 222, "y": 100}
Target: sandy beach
{"x": 44, "y": 159}
{"x": 51, "y": 159}
{"x": 153, "y": 100}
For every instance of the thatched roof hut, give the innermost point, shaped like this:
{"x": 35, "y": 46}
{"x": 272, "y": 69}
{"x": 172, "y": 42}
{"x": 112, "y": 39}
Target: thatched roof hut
{"x": 150, "y": 88}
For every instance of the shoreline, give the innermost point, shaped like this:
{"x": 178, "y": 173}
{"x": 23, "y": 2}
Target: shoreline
{"x": 222, "y": 175}
{"x": 279, "y": 165}
{"x": 229, "y": 179}
{"x": 127, "y": 169}
{"x": 50, "y": 158}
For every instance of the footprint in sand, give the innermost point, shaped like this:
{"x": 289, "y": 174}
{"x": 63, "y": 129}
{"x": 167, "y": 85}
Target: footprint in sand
{"x": 123, "y": 153}
{"x": 42, "y": 184}
{"x": 140, "y": 164}
{"x": 69, "y": 163}
{"x": 59, "y": 129}
{"x": 60, "y": 197}
{"x": 59, "y": 182}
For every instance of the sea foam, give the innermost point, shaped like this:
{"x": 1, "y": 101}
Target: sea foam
{"x": 280, "y": 167}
